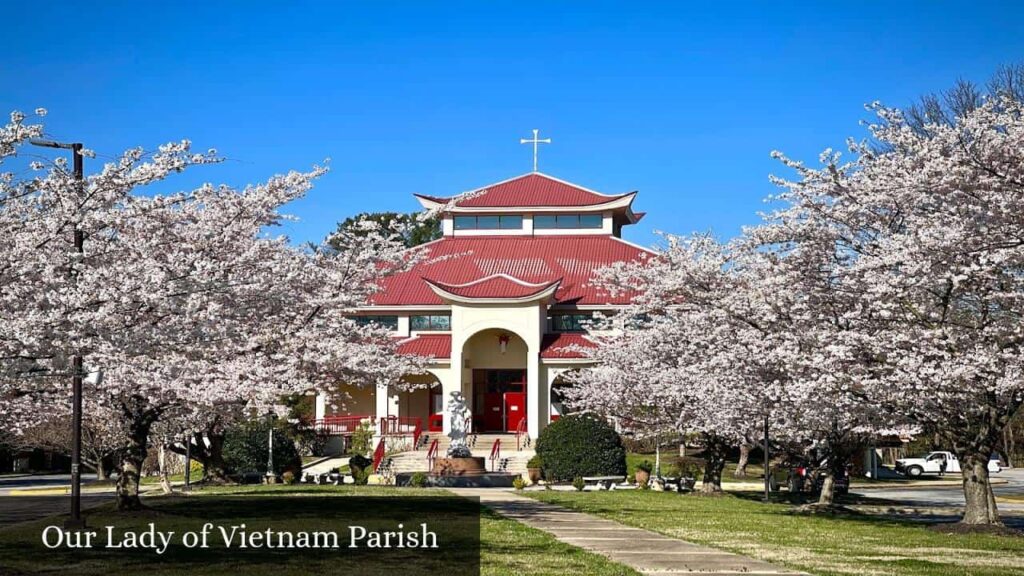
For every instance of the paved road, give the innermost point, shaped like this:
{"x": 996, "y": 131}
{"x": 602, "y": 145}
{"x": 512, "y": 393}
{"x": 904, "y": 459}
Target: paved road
{"x": 8, "y": 483}
{"x": 952, "y": 497}
{"x": 14, "y": 509}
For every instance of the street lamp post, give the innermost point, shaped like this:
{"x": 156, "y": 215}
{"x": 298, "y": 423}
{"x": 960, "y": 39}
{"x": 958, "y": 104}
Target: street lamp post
{"x": 188, "y": 462}
{"x": 271, "y": 476}
{"x": 767, "y": 461}
{"x": 75, "y": 522}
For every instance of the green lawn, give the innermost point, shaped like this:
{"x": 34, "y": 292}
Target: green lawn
{"x": 820, "y": 545}
{"x": 506, "y": 547}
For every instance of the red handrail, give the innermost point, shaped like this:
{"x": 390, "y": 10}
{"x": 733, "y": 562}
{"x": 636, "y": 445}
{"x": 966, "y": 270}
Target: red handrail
{"x": 378, "y": 454}
{"x": 399, "y": 425}
{"x": 431, "y": 454}
{"x": 495, "y": 454}
{"x": 343, "y": 425}
{"x": 520, "y": 432}
{"x": 416, "y": 433}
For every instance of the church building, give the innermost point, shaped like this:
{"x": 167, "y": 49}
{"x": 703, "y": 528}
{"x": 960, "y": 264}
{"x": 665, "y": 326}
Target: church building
{"x": 500, "y": 313}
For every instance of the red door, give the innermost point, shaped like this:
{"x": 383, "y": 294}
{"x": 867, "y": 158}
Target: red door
{"x": 515, "y": 410}
{"x": 492, "y": 411}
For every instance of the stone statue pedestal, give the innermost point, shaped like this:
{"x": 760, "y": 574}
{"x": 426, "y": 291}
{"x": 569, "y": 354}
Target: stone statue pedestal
{"x": 471, "y": 466}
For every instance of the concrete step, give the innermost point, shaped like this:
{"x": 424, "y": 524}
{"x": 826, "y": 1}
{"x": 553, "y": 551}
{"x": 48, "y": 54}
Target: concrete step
{"x": 416, "y": 460}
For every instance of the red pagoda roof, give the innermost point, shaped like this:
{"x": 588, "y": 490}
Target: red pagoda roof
{"x": 530, "y": 190}
{"x": 557, "y": 346}
{"x": 472, "y": 262}
{"x": 494, "y": 287}
{"x": 436, "y": 345}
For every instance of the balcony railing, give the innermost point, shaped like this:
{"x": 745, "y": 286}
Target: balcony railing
{"x": 388, "y": 426}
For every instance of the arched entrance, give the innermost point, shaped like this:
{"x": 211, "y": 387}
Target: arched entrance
{"x": 495, "y": 369}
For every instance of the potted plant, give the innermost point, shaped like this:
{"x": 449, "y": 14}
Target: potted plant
{"x": 643, "y": 472}
{"x": 533, "y": 469}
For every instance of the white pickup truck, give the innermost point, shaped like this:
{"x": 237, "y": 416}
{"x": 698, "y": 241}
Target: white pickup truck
{"x": 932, "y": 463}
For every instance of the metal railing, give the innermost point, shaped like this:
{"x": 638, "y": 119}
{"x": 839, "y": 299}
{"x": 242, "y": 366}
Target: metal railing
{"x": 521, "y": 435}
{"x": 416, "y": 433}
{"x": 343, "y": 425}
{"x": 495, "y": 457}
{"x": 378, "y": 454}
{"x": 387, "y": 426}
{"x": 399, "y": 425}
{"x": 431, "y": 455}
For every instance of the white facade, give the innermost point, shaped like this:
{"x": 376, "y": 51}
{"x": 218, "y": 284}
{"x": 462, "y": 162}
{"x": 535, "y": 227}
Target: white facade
{"x": 495, "y": 342}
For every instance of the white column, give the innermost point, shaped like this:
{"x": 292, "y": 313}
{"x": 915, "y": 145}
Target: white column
{"x": 380, "y": 398}
{"x": 320, "y": 407}
{"x": 393, "y": 402}
{"x": 535, "y": 407}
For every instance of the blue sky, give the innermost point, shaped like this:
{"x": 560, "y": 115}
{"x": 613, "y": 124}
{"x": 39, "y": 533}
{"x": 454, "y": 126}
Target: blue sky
{"x": 681, "y": 101}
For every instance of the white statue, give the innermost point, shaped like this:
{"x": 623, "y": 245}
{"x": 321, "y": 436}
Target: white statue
{"x": 459, "y": 414}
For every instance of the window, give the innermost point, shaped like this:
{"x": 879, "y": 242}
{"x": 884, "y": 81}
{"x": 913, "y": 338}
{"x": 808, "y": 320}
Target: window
{"x": 504, "y": 222}
{"x": 570, "y": 322}
{"x": 568, "y": 221}
{"x": 432, "y": 323}
{"x": 390, "y": 322}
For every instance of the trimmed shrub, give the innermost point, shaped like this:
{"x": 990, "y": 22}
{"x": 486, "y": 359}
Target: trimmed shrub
{"x": 535, "y": 462}
{"x": 578, "y": 483}
{"x": 418, "y": 480}
{"x": 580, "y": 445}
{"x": 518, "y": 483}
{"x": 360, "y": 467}
{"x": 245, "y": 449}
{"x": 362, "y": 439}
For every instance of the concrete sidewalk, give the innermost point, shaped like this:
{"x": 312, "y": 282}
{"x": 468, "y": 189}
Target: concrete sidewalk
{"x": 645, "y": 551}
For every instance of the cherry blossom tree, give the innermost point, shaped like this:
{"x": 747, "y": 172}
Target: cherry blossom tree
{"x": 931, "y": 210}
{"x": 729, "y": 335}
{"x": 183, "y": 300}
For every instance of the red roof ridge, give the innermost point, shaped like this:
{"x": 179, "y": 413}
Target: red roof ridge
{"x": 493, "y": 277}
{"x": 482, "y": 191}
{"x": 522, "y": 291}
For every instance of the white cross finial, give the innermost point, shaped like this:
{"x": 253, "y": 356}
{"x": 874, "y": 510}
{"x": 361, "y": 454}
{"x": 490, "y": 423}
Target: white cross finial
{"x": 535, "y": 141}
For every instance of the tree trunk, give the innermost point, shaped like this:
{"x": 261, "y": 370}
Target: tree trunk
{"x": 828, "y": 490}
{"x": 165, "y": 480}
{"x": 837, "y": 464}
{"x": 214, "y": 469}
{"x": 101, "y": 470}
{"x": 741, "y": 466}
{"x": 139, "y": 422}
{"x": 981, "y": 502}
{"x": 714, "y": 463}
{"x": 208, "y": 450}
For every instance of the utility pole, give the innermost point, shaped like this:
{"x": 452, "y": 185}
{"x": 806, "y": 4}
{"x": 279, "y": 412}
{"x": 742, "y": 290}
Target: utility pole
{"x": 75, "y": 522}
